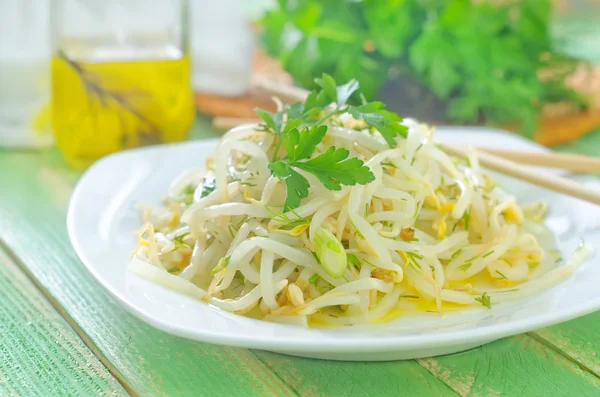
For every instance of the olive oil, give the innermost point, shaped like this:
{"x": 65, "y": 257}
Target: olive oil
{"x": 99, "y": 107}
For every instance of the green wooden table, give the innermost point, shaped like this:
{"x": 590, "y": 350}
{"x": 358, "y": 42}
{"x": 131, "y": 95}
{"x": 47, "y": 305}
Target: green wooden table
{"x": 61, "y": 335}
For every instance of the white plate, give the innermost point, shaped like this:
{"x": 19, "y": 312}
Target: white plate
{"x": 102, "y": 217}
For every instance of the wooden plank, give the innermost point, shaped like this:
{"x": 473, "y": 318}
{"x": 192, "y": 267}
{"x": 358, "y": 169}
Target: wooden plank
{"x": 578, "y": 339}
{"x": 39, "y": 352}
{"x": 331, "y": 378}
{"x": 513, "y": 366}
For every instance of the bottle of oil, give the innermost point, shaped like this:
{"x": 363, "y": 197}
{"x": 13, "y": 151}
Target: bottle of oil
{"x": 121, "y": 76}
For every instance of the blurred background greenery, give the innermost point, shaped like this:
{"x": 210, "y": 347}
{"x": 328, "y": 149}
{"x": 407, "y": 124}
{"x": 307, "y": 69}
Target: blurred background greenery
{"x": 527, "y": 65}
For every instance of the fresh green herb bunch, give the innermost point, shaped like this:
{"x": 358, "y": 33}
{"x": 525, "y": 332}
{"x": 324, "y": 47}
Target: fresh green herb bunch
{"x": 299, "y": 127}
{"x": 487, "y": 60}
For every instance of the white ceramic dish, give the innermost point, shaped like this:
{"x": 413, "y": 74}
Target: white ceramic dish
{"x": 102, "y": 216}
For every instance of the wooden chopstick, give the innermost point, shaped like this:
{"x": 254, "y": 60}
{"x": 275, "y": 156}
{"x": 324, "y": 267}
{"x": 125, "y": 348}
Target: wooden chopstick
{"x": 539, "y": 178}
{"x": 227, "y": 123}
{"x": 566, "y": 161}
{"x": 486, "y": 159}
{"x": 284, "y": 92}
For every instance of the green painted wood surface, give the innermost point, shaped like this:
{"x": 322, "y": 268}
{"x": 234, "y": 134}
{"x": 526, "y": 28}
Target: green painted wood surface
{"x": 516, "y": 366}
{"x": 32, "y": 216}
{"x": 39, "y": 351}
{"x": 311, "y": 377}
{"x": 32, "y": 226}
{"x": 578, "y": 339}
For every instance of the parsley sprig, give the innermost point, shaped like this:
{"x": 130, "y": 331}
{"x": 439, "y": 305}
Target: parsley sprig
{"x": 300, "y": 127}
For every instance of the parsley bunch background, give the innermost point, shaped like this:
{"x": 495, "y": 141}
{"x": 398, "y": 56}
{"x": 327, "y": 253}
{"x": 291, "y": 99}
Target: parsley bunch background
{"x": 487, "y": 61}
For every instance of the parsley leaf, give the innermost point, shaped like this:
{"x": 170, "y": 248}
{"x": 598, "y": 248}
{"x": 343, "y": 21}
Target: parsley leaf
{"x": 304, "y": 129}
{"x": 294, "y": 110}
{"x": 338, "y": 94}
{"x": 296, "y": 185}
{"x": 386, "y": 122}
{"x": 334, "y": 168}
{"x": 300, "y": 145}
{"x": 272, "y": 120}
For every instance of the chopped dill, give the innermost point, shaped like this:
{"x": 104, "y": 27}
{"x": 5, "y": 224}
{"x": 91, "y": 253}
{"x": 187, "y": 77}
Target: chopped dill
{"x": 293, "y": 224}
{"x": 178, "y": 242}
{"x": 173, "y": 270}
{"x": 232, "y": 230}
{"x": 412, "y": 260}
{"x": 488, "y": 254}
{"x": 417, "y": 208}
{"x": 409, "y": 296}
{"x": 485, "y": 300}
{"x": 466, "y": 218}
{"x": 290, "y": 223}
{"x": 180, "y": 238}
{"x": 502, "y": 276}
{"x": 414, "y": 254}
{"x": 457, "y": 253}
{"x": 313, "y": 279}
{"x": 240, "y": 223}
{"x": 465, "y": 267}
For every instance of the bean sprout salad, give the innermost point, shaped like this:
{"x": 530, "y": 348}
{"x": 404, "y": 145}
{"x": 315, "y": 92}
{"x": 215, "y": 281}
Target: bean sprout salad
{"x": 330, "y": 214}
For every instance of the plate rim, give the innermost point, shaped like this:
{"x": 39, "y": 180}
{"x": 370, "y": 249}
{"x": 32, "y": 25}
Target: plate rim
{"x": 326, "y": 343}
